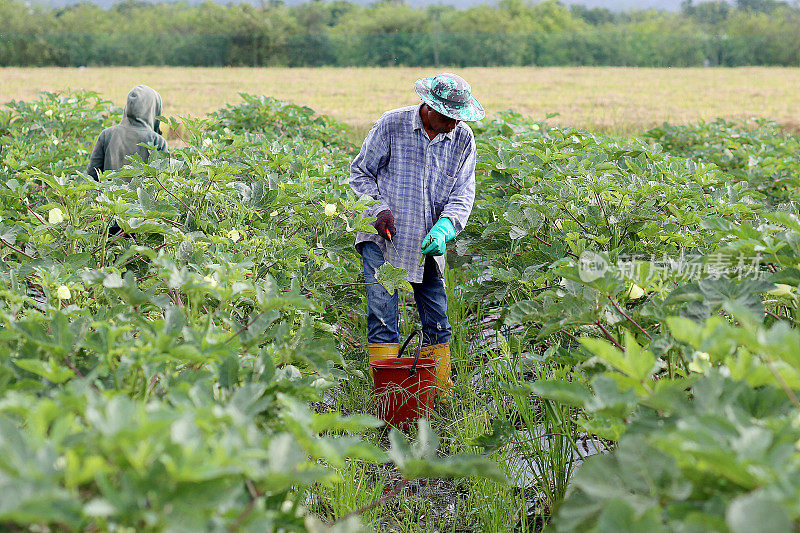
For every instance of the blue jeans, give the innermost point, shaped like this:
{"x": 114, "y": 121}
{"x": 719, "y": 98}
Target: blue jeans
{"x": 383, "y": 318}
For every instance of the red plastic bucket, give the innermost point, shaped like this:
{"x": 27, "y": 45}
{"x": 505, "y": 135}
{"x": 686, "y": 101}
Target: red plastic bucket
{"x": 403, "y": 392}
{"x": 405, "y": 387}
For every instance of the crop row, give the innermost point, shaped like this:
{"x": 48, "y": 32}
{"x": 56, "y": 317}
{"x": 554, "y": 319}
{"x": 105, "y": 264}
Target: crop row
{"x": 164, "y": 377}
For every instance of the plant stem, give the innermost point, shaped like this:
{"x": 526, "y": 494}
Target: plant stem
{"x": 49, "y": 229}
{"x": 290, "y": 235}
{"x": 78, "y": 372}
{"x": 548, "y": 244}
{"x": 254, "y": 495}
{"x": 15, "y": 248}
{"x": 400, "y": 486}
{"x": 538, "y": 289}
{"x": 534, "y": 439}
{"x": 623, "y": 313}
{"x": 608, "y": 222}
{"x": 352, "y": 285}
{"x": 105, "y": 243}
{"x": 570, "y": 335}
{"x": 229, "y": 339}
{"x": 137, "y": 256}
{"x": 573, "y": 217}
{"x": 782, "y": 383}
{"x": 179, "y": 200}
{"x": 608, "y": 335}
{"x": 151, "y": 385}
{"x": 773, "y": 315}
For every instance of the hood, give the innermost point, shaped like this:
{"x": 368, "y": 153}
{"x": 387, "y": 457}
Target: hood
{"x": 142, "y": 108}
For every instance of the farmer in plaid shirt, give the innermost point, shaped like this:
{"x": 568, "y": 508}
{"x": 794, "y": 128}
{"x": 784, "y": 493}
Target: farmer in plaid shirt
{"x": 418, "y": 162}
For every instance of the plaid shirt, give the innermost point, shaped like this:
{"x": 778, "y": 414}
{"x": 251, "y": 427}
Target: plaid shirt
{"x": 419, "y": 180}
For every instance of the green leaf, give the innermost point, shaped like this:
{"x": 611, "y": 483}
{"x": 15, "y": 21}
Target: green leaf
{"x": 351, "y": 525}
{"x": 623, "y": 489}
{"x": 60, "y": 340}
{"x": 228, "y": 374}
{"x": 143, "y": 225}
{"x": 789, "y": 220}
{"x": 421, "y": 460}
{"x": 129, "y": 290}
{"x": 393, "y": 278}
{"x": 635, "y": 362}
{"x": 572, "y": 393}
{"x": 49, "y": 370}
{"x": 522, "y": 312}
{"x": 685, "y": 330}
{"x": 502, "y": 432}
{"x": 185, "y": 251}
{"x": 619, "y": 515}
{"x": 757, "y": 512}
{"x": 608, "y": 400}
{"x": 747, "y": 293}
{"x": 113, "y": 281}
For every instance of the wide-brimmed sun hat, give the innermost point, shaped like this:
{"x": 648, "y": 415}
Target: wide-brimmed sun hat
{"x": 450, "y": 95}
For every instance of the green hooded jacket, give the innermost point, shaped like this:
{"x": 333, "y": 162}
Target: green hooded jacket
{"x": 139, "y": 125}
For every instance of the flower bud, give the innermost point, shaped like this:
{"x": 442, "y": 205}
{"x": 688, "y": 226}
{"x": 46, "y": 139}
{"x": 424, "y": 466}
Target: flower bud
{"x": 635, "y": 292}
{"x": 63, "y": 293}
{"x": 55, "y": 216}
{"x": 781, "y": 290}
{"x": 701, "y": 362}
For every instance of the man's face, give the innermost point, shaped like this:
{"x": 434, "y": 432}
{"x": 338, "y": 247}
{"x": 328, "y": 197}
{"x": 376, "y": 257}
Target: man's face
{"x": 440, "y": 123}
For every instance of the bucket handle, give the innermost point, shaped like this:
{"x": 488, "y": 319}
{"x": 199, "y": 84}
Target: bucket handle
{"x": 419, "y": 349}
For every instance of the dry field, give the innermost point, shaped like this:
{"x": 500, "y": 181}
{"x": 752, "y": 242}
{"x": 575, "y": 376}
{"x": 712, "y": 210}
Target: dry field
{"x": 621, "y": 100}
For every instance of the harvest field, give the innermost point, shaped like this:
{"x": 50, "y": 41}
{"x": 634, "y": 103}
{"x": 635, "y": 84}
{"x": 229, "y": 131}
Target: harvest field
{"x": 626, "y": 352}
{"x": 619, "y": 100}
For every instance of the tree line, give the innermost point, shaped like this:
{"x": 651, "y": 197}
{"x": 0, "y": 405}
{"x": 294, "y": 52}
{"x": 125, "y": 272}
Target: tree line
{"x": 343, "y": 33}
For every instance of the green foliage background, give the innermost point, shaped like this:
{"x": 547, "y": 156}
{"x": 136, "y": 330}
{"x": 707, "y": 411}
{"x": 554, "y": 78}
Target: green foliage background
{"x": 646, "y": 290}
{"x": 645, "y": 271}
{"x": 170, "y": 389}
{"x": 342, "y": 33}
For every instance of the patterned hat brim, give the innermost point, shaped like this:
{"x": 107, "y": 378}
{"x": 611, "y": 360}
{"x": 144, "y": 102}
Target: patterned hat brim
{"x": 469, "y": 112}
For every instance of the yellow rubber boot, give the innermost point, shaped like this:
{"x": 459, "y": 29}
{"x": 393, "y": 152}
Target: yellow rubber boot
{"x": 441, "y": 354}
{"x": 382, "y": 350}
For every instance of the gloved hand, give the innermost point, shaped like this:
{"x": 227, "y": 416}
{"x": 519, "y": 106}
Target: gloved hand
{"x": 435, "y": 242}
{"x": 384, "y": 223}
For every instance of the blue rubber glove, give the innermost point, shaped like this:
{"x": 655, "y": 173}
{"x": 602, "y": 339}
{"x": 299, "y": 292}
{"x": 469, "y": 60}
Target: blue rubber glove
{"x": 435, "y": 242}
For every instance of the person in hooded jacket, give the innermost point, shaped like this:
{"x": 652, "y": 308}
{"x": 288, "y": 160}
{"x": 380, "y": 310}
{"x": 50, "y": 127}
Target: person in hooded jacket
{"x": 139, "y": 125}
